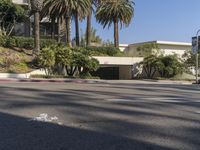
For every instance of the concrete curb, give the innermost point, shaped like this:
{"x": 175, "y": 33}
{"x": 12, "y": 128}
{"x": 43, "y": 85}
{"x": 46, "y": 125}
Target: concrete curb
{"x": 51, "y": 80}
{"x": 90, "y": 81}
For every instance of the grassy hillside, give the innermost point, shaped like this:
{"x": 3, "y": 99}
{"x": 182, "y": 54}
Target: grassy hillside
{"x": 15, "y": 60}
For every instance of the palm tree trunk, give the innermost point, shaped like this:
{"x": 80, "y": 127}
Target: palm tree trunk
{"x": 116, "y": 33}
{"x": 59, "y": 30}
{"x": 37, "y": 32}
{"x": 53, "y": 28}
{"x": 68, "y": 31}
{"x": 88, "y": 30}
{"x": 77, "y": 29}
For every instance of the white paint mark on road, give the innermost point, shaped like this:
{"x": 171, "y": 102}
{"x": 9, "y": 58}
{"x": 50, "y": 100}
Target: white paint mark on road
{"x": 44, "y": 117}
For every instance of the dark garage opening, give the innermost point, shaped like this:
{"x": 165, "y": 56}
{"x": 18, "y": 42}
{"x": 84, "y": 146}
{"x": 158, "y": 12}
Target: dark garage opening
{"x": 109, "y": 73}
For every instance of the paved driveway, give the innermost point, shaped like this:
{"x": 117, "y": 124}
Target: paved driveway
{"x": 106, "y": 116}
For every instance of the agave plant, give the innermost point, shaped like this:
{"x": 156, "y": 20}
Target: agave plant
{"x": 36, "y": 7}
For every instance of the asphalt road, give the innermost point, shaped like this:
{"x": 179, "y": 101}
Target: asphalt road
{"x": 106, "y": 116}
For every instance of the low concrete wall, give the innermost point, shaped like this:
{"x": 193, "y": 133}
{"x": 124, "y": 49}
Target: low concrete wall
{"x": 22, "y": 76}
{"x": 37, "y": 72}
{"x": 12, "y": 75}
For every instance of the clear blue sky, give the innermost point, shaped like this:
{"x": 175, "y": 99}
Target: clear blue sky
{"x": 171, "y": 20}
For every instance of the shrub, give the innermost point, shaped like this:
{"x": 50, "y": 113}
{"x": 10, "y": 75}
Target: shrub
{"x": 169, "y": 66}
{"x": 73, "y": 60}
{"x": 19, "y": 67}
{"x": 7, "y": 62}
{"x": 24, "y": 42}
{"x": 9, "y": 41}
{"x": 47, "y": 42}
{"x": 2, "y": 41}
{"x": 166, "y": 66}
{"x": 46, "y": 60}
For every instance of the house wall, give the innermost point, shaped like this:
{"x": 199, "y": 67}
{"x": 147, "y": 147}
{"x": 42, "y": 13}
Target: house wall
{"x": 125, "y": 72}
{"x": 120, "y": 61}
{"x": 174, "y": 49}
{"x": 166, "y": 49}
{"x": 123, "y": 47}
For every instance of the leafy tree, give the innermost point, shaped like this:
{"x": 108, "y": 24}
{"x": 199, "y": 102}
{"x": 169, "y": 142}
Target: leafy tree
{"x": 114, "y": 12}
{"x": 10, "y": 14}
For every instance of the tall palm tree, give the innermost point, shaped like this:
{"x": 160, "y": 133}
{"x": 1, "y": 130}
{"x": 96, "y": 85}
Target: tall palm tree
{"x": 117, "y": 11}
{"x": 67, "y": 8}
{"x": 89, "y": 21}
{"x": 36, "y": 7}
{"x": 56, "y": 10}
{"x": 89, "y": 25}
{"x": 80, "y": 10}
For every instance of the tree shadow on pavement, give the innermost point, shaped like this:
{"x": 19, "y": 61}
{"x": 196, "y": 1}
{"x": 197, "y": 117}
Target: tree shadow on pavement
{"x": 19, "y": 133}
{"x": 98, "y": 124}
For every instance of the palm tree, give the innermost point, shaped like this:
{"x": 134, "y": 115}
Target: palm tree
{"x": 117, "y": 11}
{"x": 65, "y": 9}
{"x": 36, "y": 7}
{"x": 56, "y": 10}
{"x": 89, "y": 25}
{"x": 89, "y": 22}
{"x": 80, "y": 10}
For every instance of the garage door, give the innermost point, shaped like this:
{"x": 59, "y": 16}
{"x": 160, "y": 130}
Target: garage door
{"x": 109, "y": 73}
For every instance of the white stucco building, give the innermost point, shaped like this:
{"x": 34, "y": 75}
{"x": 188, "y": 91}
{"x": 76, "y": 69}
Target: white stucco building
{"x": 126, "y": 67}
{"x": 166, "y": 47}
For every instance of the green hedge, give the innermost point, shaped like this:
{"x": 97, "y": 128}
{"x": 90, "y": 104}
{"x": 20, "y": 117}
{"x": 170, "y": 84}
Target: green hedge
{"x": 23, "y": 42}
{"x": 28, "y": 43}
{"x": 104, "y": 51}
